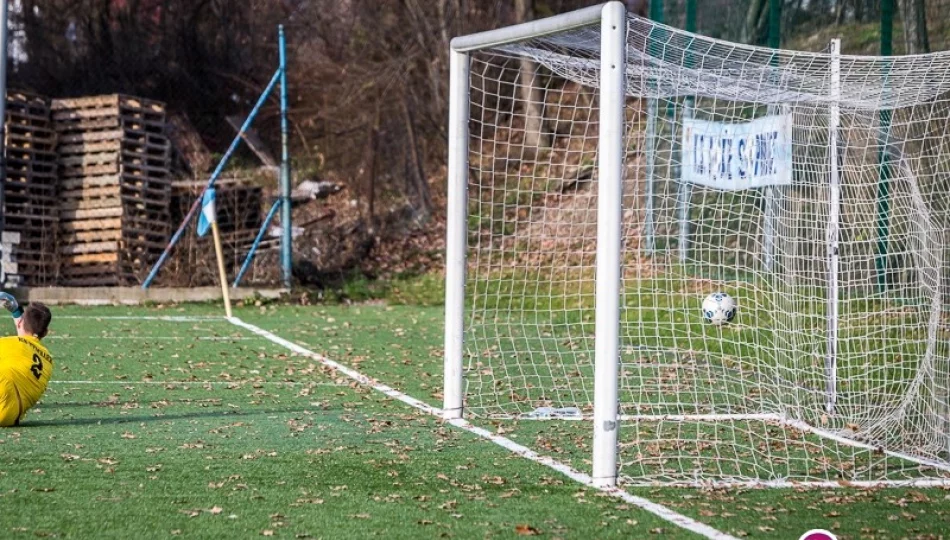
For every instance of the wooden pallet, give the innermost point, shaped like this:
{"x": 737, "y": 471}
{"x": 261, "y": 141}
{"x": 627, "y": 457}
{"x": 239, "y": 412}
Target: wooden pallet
{"x": 31, "y": 204}
{"x": 20, "y": 184}
{"x": 129, "y": 203}
{"x": 159, "y": 193}
{"x": 153, "y": 147}
{"x": 104, "y": 169}
{"x": 240, "y": 215}
{"x": 114, "y": 162}
{"x": 133, "y": 222}
{"x": 111, "y": 135}
{"x": 122, "y": 232}
{"x": 110, "y": 101}
{"x": 29, "y": 140}
{"x": 125, "y": 157}
{"x": 123, "y": 178}
{"x": 104, "y": 124}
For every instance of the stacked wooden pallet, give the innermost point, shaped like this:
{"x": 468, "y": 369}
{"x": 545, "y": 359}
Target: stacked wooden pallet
{"x": 30, "y": 202}
{"x": 239, "y": 216}
{"x": 115, "y": 188}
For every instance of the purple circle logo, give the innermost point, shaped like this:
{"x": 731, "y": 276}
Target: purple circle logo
{"x": 818, "y": 534}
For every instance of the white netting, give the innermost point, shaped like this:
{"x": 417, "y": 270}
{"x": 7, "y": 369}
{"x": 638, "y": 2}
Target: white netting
{"x": 747, "y": 401}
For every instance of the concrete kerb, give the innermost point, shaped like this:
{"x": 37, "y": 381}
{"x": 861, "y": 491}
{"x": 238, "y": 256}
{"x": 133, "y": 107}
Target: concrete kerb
{"x": 130, "y": 296}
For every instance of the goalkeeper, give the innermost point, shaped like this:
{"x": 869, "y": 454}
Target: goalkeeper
{"x": 25, "y": 364}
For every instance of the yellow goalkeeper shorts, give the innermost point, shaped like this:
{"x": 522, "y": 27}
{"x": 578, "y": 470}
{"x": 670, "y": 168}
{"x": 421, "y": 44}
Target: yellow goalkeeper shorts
{"x": 10, "y": 409}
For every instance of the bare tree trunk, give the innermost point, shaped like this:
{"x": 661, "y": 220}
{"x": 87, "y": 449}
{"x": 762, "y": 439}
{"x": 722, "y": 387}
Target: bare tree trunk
{"x": 369, "y": 170}
{"x": 530, "y": 93}
{"x": 443, "y": 8}
{"x": 920, "y": 13}
{"x": 750, "y": 28}
{"x": 914, "y": 15}
{"x": 416, "y": 169}
{"x": 859, "y": 11}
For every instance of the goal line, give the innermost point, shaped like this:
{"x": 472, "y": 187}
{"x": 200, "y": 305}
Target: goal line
{"x": 778, "y": 420}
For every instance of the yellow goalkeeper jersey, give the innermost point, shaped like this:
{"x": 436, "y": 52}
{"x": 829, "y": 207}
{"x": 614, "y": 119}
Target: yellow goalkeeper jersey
{"x": 25, "y": 370}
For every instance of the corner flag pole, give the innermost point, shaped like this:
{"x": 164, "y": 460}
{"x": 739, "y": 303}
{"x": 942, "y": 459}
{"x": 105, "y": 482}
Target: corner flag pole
{"x": 208, "y": 219}
{"x": 222, "y": 275}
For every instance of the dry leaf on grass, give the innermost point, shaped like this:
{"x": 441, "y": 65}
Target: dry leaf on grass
{"x": 526, "y": 530}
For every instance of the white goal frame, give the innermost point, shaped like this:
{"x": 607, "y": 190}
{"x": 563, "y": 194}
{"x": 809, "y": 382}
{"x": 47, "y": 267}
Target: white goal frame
{"x": 612, "y": 20}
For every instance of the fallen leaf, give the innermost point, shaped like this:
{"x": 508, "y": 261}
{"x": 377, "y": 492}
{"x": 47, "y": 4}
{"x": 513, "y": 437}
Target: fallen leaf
{"x": 526, "y": 530}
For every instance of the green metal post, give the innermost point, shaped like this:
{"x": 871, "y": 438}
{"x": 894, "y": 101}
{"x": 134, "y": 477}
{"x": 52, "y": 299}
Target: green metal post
{"x": 656, "y": 11}
{"x": 770, "y": 194}
{"x": 884, "y": 168}
{"x": 649, "y": 227}
{"x": 775, "y": 24}
{"x": 684, "y": 190}
{"x": 691, "y": 16}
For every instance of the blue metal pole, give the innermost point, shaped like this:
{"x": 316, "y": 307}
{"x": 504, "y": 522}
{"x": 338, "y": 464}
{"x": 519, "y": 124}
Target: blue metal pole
{"x": 257, "y": 241}
{"x": 286, "y": 246}
{"x": 214, "y": 176}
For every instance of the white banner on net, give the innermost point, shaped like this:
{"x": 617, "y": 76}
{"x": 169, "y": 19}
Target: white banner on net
{"x": 735, "y": 156}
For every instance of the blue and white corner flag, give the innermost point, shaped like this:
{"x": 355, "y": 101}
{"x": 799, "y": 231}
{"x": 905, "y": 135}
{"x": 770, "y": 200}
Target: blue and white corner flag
{"x": 207, "y": 216}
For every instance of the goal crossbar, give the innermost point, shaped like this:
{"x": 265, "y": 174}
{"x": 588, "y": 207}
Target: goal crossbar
{"x": 533, "y": 29}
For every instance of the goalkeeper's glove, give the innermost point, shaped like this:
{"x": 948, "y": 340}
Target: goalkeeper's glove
{"x": 9, "y": 303}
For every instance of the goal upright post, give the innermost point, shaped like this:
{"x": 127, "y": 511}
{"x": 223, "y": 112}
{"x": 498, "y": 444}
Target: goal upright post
{"x": 609, "y": 215}
{"x": 456, "y": 241}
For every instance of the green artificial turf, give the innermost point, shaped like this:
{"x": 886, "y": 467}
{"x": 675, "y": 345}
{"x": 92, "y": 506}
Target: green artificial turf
{"x": 199, "y": 429}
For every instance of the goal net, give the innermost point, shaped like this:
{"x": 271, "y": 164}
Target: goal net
{"x": 814, "y": 188}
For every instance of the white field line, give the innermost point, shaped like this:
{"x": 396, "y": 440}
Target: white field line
{"x": 849, "y": 442}
{"x": 765, "y": 417}
{"x": 202, "y": 383}
{"x": 807, "y": 484}
{"x": 168, "y": 318}
{"x": 162, "y": 338}
{"x": 658, "y": 510}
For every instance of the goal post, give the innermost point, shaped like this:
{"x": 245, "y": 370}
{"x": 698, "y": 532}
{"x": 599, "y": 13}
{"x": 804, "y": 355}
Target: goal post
{"x": 577, "y": 260}
{"x": 613, "y": 32}
{"x": 456, "y": 232}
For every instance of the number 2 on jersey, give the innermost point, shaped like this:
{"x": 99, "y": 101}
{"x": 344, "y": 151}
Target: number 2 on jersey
{"x": 37, "y": 367}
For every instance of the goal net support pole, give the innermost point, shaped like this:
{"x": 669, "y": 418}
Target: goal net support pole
{"x": 834, "y": 120}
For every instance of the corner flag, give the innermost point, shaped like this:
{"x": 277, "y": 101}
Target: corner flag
{"x": 208, "y": 220}
{"x": 208, "y": 214}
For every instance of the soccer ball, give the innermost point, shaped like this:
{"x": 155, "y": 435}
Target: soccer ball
{"x": 719, "y": 308}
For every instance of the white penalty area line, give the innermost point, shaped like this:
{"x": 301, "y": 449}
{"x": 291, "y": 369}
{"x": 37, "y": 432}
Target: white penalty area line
{"x": 201, "y": 383}
{"x": 160, "y": 338}
{"x": 658, "y": 510}
{"x": 169, "y": 318}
